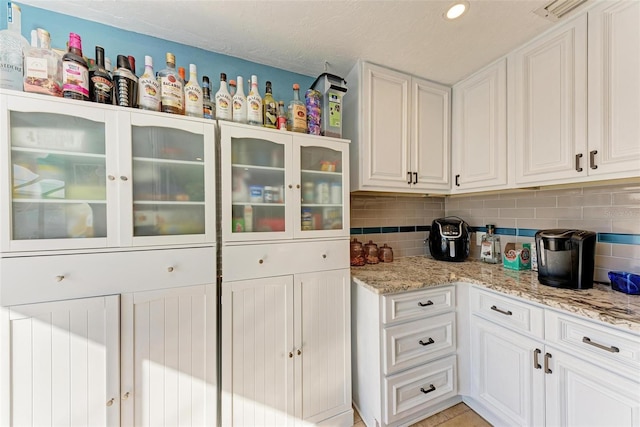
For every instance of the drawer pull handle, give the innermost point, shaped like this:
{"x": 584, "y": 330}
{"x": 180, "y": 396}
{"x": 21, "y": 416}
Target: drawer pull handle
{"x": 426, "y": 304}
{"x": 170, "y": 269}
{"x": 611, "y": 349}
{"x": 506, "y": 313}
{"x": 430, "y": 341}
{"x": 110, "y": 401}
{"x": 290, "y": 354}
{"x": 59, "y": 278}
{"x": 457, "y": 180}
{"x": 409, "y": 178}
{"x": 429, "y": 390}
{"x": 592, "y": 159}
{"x": 415, "y": 177}
{"x": 547, "y": 370}
{"x": 536, "y": 364}
{"x": 299, "y": 352}
{"x": 578, "y": 157}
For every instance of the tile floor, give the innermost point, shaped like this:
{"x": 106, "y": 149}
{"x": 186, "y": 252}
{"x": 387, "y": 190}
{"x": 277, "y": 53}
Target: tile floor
{"x": 459, "y": 415}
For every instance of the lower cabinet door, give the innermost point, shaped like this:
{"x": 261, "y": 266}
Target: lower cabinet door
{"x": 579, "y": 393}
{"x": 323, "y": 344}
{"x": 59, "y": 363}
{"x": 507, "y": 373}
{"x": 169, "y": 357}
{"x": 258, "y": 352}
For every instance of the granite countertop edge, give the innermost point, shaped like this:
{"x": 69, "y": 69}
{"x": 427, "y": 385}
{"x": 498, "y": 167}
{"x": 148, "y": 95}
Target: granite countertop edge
{"x": 599, "y": 303}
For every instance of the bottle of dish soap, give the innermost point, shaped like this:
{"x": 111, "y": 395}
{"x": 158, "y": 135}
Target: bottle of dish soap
{"x": 490, "y": 250}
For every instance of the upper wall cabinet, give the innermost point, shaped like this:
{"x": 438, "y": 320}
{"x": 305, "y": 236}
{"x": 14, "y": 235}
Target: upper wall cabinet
{"x": 479, "y": 144}
{"x": 614, "y": 90}
{"x": 548, "y": 84}
{"x": 400, "y": 131}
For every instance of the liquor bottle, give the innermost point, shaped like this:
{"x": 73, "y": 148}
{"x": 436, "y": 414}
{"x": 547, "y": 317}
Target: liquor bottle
{"x": 42, "y": 66}
{"x": 193, "y": 94}
{"x": 125, "y": 84}
{"x": 490, "y": 250}
{"x": 254, "y": 104}
{"x": 208, "y": 109}
{"x": 282, "y": 116}
{"x": 223, "y": 100}
{"x": 107, "y": 65}
{"x": 232, "y": 88}
{"x": 297, "y": 114}
{"x": 132, "y": 64}
{"x": 148, "y": 87}
{"x": 240, "y": 103}
{"x": 12, "y": 48}
{"x": 100, "y": 82}
{"x": 171, "y": 87}
{"x": 181, "y": 73}
{"x": 269, "y": 108}
{"x": 75, "y": 71}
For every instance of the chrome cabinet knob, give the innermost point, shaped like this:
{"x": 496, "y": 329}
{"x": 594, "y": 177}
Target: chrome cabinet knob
{"x": 124, "y": 178}
{"x": 125, "y": 396}
{"x": 111, "y": 177}
{"x": 110, "y": 401}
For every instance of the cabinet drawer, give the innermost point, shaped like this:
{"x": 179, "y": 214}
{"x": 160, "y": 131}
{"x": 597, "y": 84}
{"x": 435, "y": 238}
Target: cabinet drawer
{"x": 418, "y": 304}
{"x": 590, "y": 340}
{"x": 416, "y": 389}
{"x": 57, "y": 277}
{"x": 414, "y": 343}
{"x": 508, "y": 312}
{"x": 277, "y": 259}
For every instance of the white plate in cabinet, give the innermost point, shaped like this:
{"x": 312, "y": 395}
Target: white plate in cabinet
{"x": 415, "y": 305}
{"x": 277, "y": 259}
{"x": 508, "y": 312}
{"x": 589, "y": 340}
{"x": 58, "y": 277}
{"x": 414, "y": 343}
{"x": 414, "y": 390}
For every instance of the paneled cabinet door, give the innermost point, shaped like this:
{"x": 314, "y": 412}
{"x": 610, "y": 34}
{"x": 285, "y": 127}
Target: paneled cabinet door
{"x": 479, "y": 147}
{"x": 54, "y": 192}
{"x": 258, "y": 352}
{"x": 580, "y": 394}
{"x": 169, "y": 357}
{"x": 507, "y": 376}
{"x": 548, "y": 110}
{"x": 59, "y": 363}
{"x": 323, "y": 345}
{"x": 614, "y": 89}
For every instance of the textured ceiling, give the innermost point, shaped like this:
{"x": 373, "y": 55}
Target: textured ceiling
{"x": 304, "y": 35}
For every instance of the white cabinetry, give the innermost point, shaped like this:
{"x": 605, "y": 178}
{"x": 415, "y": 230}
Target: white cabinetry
{"x": 404, "y": 363}
{"x": 479, "y": 146}
{"x": 536, "y": 366}
{"x": 400, "y": 131}
{"x": 286, "y": 358}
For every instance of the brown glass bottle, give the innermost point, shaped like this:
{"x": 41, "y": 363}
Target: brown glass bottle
{"x": 100, "y": 82}
{"x": 75, "y": 71}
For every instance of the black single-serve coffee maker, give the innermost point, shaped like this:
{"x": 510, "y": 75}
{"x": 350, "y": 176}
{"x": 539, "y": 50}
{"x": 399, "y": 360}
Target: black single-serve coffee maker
{"x": 566, "y": 258}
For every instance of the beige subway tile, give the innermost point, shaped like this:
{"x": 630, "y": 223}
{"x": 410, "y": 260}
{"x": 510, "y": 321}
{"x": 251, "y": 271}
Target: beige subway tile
{"x": 629, "y": 199}
{"x": 597, "y": 225}
{"x": 603, "y": 199}
{"x": 357, "y": 222}
{"x": 559, "y": 213}
{"x": 471, "y": 204}
{"x": 615, "y": 188}
{"x": 462, "y": 213}
{"x": 517, "y": 195}
{"x": 614, "y": 213}
{"x": 517, "y": 213}
{"x": 625, "y": 226}
{"x": 500, "y": 222}
{"x": 600, "y": 275}
{"x": 500, "y": 203}
{"x": 535, "y": 202}
{"x": 536, "y": 224}
{"x": 559, "y": 192}
{"x": 618, "y": 264}
{"x": 603, "y": 249}
{"x": 452, "y": 204}
{"x": 626, "y": 251}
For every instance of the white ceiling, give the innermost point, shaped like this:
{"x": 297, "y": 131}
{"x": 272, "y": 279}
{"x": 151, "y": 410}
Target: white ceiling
{"x": 301, "y": 35}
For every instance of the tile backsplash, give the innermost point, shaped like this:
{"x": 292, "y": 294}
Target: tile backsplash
{"x": 612, "y": 211}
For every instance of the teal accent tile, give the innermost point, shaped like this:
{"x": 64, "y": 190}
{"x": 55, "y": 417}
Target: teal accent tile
{"x": 370, "y": 230}
{"x": 389, "y": 229}
{"x": 623, "y": 239}
{"x": 527, "y": 232}
{"x": 407, "y": 228}
{"x": 423, "y": 228}
{"x": 356, "y": 230}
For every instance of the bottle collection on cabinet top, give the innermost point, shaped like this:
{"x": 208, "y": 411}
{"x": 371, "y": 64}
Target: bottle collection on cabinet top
{"x": 39, "y": 68}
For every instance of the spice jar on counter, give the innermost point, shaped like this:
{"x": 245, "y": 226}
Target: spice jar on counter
{"x": 371, "y": 253}
{"x": 356, "y": 253}
{"x": 385, "y": 253}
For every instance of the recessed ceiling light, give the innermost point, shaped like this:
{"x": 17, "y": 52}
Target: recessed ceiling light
{"x": 457, "y": 10}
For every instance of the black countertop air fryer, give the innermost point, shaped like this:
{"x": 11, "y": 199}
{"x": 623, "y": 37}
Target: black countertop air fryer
{"x": 449, "y": 239}
{"x": 566, "y": 258}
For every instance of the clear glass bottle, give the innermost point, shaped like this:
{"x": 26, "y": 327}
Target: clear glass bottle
{"x": 269, "y": 108}
{"x": 254, "y": 104}
{"x": 490, "y": 250}
{"x": 148, "y": 87}
{"x": 223, "y": 100}
{"x": 100, "y": 81}
{"x": 208, "y": 109}
{"x": 125, "y": 84}
{"x": 12, "y": 48}
{"x": 193, "y": 94}
{"x": 282, "y": 116}
{"x": 297, "y": 113}
{"x": 240, "y": 103}
{"x": 232, "y": 88}
{"x": 42, "y": 66}
{"x": 75, "y": 71}
{"x": 171, "y": 87}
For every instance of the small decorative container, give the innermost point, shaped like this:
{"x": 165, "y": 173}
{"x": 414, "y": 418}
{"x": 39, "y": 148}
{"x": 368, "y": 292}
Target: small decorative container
{"x": 357, "y": 253}
{"x": 371, "y": 253}
{"x": 622, "y": 281}
{"x": 385, "y": 253}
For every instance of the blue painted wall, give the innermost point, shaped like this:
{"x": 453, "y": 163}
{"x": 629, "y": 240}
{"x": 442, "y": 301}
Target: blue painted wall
{"x": 116, "y": 41}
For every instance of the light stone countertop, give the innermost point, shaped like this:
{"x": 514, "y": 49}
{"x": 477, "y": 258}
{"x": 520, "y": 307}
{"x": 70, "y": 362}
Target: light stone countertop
{"x": 418, "y": 272}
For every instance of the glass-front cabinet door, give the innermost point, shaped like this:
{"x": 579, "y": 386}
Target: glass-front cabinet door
{"x": 54, "y": 192}
{"x": 257, "y": 184}
{"x": 172, "y": 181}
{"x": 324, "y": 197}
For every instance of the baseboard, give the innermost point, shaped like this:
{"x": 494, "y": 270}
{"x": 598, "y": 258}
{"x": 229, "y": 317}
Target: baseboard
{"x": 445, "y": 404}
{"x": 344, "y": 419}
{"x": 485, "y": 413}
